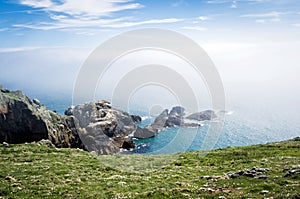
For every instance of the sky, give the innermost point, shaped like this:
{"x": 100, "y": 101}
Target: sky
{"x": 254, "y": 44}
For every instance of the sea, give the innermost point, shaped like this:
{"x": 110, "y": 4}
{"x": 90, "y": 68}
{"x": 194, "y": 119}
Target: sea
{"x": 241, "y": 127}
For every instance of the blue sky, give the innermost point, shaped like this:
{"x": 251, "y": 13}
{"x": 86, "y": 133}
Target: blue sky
{"x": 253, "y": 43}
{"x": 28, "y": 23}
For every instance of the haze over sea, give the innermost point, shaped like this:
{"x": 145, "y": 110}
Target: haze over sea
{"x": 244, "y": 125}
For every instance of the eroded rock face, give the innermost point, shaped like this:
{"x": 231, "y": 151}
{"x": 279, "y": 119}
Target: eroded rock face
{"x": 101, "y": 128}
{"x": 175, "y": 117}
{"x": 20, "y": 119}
{"x": 25, "y": 120}
{"x": 160, "y": 121}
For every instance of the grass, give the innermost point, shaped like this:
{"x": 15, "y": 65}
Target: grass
{"x": 35, "y": 171}
{"x": 12, "y": 96}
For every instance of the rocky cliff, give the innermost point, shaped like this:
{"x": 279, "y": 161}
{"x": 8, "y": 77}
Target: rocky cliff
{"x": 94, "y": 126}
{"x": 25, "y": 120}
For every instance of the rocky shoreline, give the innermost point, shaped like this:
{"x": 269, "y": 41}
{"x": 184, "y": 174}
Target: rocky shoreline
{"x": 94, "y": 126}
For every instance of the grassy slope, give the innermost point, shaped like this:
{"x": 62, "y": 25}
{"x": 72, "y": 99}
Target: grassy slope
{"x": 33, "y": 171}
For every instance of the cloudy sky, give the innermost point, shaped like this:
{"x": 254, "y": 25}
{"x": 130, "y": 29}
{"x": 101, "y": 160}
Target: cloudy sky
{"x": 254, "y": 44}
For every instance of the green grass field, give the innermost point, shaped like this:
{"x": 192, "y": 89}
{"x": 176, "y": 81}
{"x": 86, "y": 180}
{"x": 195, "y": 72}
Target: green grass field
{"x": 38, "y": 171}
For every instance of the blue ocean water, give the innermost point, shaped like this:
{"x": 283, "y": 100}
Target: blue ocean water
{"x": 241, "y": 128}
{"x": 234, "y": 133}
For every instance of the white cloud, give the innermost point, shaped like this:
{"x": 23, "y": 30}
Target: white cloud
{"x": 31, "y": 48}
{"x": 152, "y": 21}
{"x": 233, "y": 5}
{"x": 194, "y": 28}
{"x": 179, "y": 3}
{"x": 37, "y": 3}
{"x": 200, "y": 19}
{"x": 263, "y": 15}
{"x": 18, "y": 49}
{"x": 271, "y": 20}
{"x": 98, "y": 23}
{"x": 71, "y": 14}
{"x": 91, "y": 8}
{"x": 264, "y": 18}
{"x": 203, "y": 18}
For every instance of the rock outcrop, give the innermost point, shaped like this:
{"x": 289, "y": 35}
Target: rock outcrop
{"x": 101, "y": 128}
{"x": 25, "y": 120}
{"x": 146, "y": 132}
{"x": 253, "y": 173}
{"x": 94, "y": 126}
{"x": 152, "y": 130}
{"x": 175, "y": 118}
{"x": 202, "y": 116}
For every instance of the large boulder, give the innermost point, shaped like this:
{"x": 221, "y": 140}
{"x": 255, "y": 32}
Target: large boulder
{"x": 146, "y": 132}
{"x": 101, "y": 128}
{"x": 25, "y": 120}
{"x": 152, "y": 130}
{"x": 160, "y": 121}
{"x": 175, "y": 117}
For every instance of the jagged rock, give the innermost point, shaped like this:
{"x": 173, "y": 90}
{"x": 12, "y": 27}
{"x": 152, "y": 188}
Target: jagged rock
{"x": 136, "y": 118}
{"x": 69, "y": 111}
{"x": 20, "y": 120}
{"x": 128, "y": 144}
{"x": 37, "y": 102}
{"x": 175, "y": 117}
{"x": 25, "y": 120}
{"x": 125, "y": 143}
{"x": 101, "y": 128}
{"x": 146, "y": 132}
{"x": 203, "y": 115}
{"x": 160, "y": 121}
